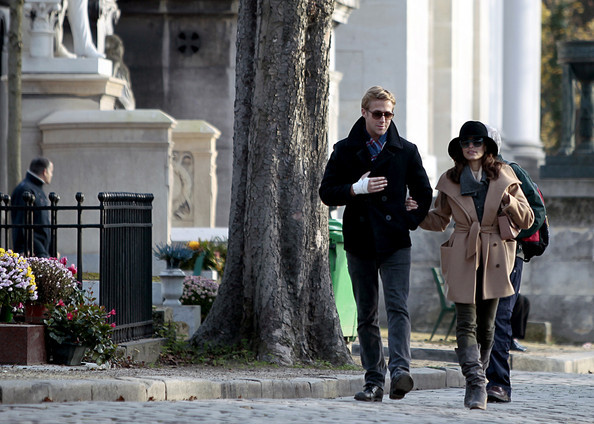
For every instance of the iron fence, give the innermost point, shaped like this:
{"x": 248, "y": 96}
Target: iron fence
{"x": 125, "y": 251}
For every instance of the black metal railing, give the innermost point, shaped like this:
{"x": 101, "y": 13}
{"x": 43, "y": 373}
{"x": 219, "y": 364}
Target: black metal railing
{"x": 125, "y": 264}
{"x": 125, "y": 251}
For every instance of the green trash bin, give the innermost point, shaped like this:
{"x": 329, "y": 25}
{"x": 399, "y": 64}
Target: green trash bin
{"x": 341, "y": 282}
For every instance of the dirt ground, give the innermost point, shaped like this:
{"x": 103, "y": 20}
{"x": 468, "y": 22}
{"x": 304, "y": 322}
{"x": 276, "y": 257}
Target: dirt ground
{"x": 418, "y": 340}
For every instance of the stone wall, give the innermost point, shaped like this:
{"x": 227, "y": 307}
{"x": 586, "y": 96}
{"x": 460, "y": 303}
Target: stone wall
{"x": 181, "y": 56}
{"x": 100, "y": 151}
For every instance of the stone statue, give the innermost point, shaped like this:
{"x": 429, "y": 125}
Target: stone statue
{"x": 114, "y": 50}
{"x": 78, "y": 18}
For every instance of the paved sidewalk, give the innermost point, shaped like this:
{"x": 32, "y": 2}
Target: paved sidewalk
{"x": 433, "y": 367}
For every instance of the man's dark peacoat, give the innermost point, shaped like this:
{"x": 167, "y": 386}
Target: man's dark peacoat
{"x": 376, "y": 225}
{"x": 41, "y": 237}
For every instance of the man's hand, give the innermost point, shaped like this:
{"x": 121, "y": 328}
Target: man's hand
{"x": 410, "y": 204}
{"x": 367, "y": 185}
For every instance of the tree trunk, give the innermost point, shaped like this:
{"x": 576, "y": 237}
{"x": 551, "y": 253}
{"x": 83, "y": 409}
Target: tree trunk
{"x": 15, "y": 44}
{"x": 276, "y": 292}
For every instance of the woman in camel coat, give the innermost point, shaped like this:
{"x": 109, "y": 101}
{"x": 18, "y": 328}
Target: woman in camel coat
{"x": 476, "y": 263}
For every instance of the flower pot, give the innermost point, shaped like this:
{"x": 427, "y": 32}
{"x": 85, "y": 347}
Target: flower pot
{"x": 172, "y": 282}
{"x": 6, "y": 313}
{"x": 35, "y": 313}
{"x": 66, "y": 353}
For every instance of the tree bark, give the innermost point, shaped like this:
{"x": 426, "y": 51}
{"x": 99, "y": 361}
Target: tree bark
{"x": 15, "y": 44}
{"x": 276, "y": 292}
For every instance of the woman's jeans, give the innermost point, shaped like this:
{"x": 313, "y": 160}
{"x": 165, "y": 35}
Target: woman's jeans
{"x": 498, "y": 372}
{"x": 395, "y": 276}
{"x": 476, "y": 321}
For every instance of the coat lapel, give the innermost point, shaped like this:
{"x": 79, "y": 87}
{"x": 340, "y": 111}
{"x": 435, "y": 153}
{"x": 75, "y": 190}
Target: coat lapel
{"x": 453, "y": 191}
{"x": 496, "y": 189}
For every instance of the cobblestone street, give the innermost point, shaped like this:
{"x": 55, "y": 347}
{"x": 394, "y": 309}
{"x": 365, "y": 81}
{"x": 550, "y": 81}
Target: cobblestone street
{"x": 538, "y": 398}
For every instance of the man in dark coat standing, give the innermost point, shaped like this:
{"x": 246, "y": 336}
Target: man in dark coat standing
{"x": 370, "y": 172}
{"x": 40, "y": 172}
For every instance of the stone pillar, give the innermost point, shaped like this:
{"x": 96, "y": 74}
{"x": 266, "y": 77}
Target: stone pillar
{"x": 41, "y": 16}
{"x": 521, "y": 83}
{"x": 493, "y": 57}
{"x": 194, "y": 187}
{"x": 4, "y": 16}
{"x": 342, "y": 12}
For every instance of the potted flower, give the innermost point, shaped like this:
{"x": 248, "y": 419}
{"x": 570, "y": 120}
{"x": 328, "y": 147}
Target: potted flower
{"x": 77, "y": 324}
{"x": 17, "y": 283}
{"x": 199, "y": 291}
{"x": 196, "y": 261}
{"x": 174, "y": 254}
{"x": 54, "y": 281}
{"x": 207, "y": 255}
{"x": 172, "y": 278}
{"x": 216, "y": 254}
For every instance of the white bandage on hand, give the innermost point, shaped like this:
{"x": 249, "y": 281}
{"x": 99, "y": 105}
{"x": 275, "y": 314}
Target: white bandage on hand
{"x": 360, "y": 187}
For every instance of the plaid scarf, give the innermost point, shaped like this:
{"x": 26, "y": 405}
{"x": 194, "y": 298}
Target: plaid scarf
{"x": 375, "y": 147}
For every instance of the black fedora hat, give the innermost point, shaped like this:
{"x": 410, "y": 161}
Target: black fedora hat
{"x": 472, "y": 129}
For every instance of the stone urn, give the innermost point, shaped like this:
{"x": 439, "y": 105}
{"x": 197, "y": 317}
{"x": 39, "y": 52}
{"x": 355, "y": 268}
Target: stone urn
{"x": 577, "y": 61}
{"x": 172, "y": 283}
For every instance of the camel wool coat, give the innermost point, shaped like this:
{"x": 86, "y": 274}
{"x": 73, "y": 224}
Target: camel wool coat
{"x": 471, "y": 240}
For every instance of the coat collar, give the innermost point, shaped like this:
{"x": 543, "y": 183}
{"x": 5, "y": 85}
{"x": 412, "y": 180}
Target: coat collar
{"x": 358, "y": 137}
{"x": 497, "y": 187}
{"x": 34, "y": 178}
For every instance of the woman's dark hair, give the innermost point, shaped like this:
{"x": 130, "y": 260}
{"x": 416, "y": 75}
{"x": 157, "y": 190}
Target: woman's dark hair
{"x": 38, "y": 165}
{"x": 491, "y": 167}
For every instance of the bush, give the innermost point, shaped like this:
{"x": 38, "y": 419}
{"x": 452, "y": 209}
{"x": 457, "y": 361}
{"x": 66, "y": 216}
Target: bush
{"x": 199, "y": 291}
{"x": 54, "y": 281}
{"x": 17, "y": 282}
{"x": 79, "y": 320}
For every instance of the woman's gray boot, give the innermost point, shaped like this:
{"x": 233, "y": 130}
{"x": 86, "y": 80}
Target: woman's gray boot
{"x": 485, "y": 356}
{"x": 476, "y": 383}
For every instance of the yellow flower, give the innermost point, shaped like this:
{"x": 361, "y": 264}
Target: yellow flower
{"x": 194, "y": 245}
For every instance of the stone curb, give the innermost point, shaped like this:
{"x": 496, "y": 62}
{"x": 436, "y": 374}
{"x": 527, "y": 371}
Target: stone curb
{"x": 158, "y": 388}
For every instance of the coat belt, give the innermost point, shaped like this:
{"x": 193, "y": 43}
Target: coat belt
{"x": 474, "y": 240}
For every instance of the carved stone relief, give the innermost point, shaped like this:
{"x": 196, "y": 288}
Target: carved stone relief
{"x": 183, "y": 176}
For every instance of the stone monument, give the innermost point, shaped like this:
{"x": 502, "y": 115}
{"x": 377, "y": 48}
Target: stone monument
{"x": 575, "y": 158}
{"x": 73, "y": 93}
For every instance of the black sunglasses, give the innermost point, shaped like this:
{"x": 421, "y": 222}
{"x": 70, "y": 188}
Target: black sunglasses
{"x": 476, "y": 142}
{"x": 378, "y": 115}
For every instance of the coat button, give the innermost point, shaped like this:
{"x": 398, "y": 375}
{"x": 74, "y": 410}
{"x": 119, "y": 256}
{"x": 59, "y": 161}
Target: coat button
{"x": 497, "y": 266}
{"x": 384, "y": 198}
{"x": 494, "y": 244}
{"x": 388, "y": 217}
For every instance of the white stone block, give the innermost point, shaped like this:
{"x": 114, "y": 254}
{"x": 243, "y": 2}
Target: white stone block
{"x": 190, "y": 314}
{"x": 199, "y": 233}
{"x": 61, "y": 65}
{"x": 210, "y": 274}
{"x": 157, "y": 293}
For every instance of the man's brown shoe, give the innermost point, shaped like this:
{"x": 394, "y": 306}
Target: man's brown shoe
{"x": 497, "y": 394}
{"x": 370, "y": 393}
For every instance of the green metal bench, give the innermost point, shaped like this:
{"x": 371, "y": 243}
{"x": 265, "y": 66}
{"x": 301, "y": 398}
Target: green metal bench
{"x": 445, "y": 305}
